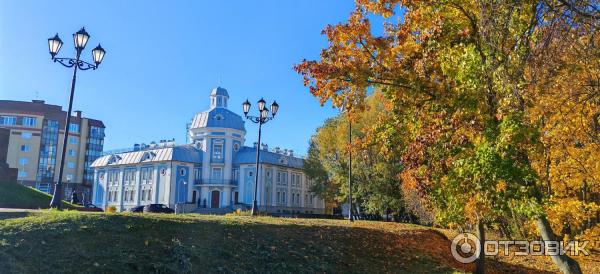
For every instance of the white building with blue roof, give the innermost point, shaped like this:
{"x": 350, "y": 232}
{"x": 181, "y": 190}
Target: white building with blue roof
{"x": 213, "y": 173}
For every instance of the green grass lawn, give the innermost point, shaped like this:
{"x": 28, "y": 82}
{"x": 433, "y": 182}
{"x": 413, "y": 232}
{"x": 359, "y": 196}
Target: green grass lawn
{"x": 13, "y": 195}
{"x": 76, "y": 242}
{"x": 61, "y": 242}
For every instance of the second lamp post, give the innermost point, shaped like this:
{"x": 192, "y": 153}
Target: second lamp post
{"x": 80, "y": 39}
{"x": 261, "y": 119}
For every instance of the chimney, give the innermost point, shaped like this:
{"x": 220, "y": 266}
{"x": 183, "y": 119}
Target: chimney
{"x": 255, "y": 144}
{"x": 78, "y": 113}
{"x": 265, "y": 147}
{"x": 277, "y": 150}
{"x": 38, "y": 101}
{"x": 136, "y": 147}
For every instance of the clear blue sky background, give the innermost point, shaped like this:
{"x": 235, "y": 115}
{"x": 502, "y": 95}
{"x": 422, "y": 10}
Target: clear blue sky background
{"x": 164, "y": 57}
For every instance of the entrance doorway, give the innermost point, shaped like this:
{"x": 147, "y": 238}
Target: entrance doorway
{"x": 214, "y": 201}
{"x": 194, "y": 193}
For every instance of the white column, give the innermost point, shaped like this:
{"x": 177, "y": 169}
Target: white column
{"x": 204, "y": 196}
{"x": 95, "y": 186}
{"x": 273, "y": 186}
{"x": 226, "y": 196}
{"x": 288, "y": 191}
{"x": 121, "y": 188}
{"x": 302, "y": 189}
{"x": 155, "y": 184}
{"x": 138, "y": 185}
{"x": 259, "y": 195}
{"x": 227, "y": 156}
{"x": 241, "y": 184}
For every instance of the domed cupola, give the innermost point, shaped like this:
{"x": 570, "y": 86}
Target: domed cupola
{"x": 218, "y": 98}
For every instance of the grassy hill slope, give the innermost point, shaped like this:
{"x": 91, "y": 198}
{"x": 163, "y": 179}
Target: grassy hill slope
{"x": 69, "y": 242}
{"x": 13, "y": 195}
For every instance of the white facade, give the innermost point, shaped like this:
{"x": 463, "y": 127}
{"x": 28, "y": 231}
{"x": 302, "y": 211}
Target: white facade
{"x": 215, "y": 170}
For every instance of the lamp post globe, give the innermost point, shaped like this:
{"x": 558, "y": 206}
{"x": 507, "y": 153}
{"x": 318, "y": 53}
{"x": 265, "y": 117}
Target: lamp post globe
{"x": 98, "y": 54}
{"x": 264, "y": 113}
{"x": 54, "y": 45}
{"x": 80, "y": 38}
{"x": 261, "y": 104}
{"x": 274, "y": 108}
{"x": 246, "y": 107}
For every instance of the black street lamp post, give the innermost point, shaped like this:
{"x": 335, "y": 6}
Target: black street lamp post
{"x": 80, "y": 39}
{"x": 261, "y": 119}
{"x": 350, "y": 215}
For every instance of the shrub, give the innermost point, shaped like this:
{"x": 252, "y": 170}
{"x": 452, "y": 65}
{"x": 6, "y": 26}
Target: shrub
{"x": 111, "y": 209}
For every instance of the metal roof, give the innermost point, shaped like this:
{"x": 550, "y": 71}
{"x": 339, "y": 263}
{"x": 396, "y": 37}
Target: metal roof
{"x": 184, "y": 153}
{"x": 247, "y": 155}
{"x": 219, "y": 91}
{"x": 218, "y": 117}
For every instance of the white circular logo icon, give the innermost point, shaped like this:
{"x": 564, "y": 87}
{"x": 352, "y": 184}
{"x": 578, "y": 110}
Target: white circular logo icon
{"x": 465, "y": 247}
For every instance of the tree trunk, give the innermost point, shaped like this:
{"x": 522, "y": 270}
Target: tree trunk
{"x": 480, "y": 262}
{"x": 565, "y": 264}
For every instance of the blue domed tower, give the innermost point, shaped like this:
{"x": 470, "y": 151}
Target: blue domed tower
{"x": 220, "y": 133}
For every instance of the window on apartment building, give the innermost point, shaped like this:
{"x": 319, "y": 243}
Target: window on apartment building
{"x": 22, "y": 174}
{"x": 218, "y": 151}
{"x": 26, "y": 135}
{"x": 73, "y": 140}
{"x": 29, "y": 121}
{"x": 24, "y": 148}
{"x": 23, "y": 161}
{"x": 73, "y": 127}
{"x": 8, "y": 120}
{"x": 71, "y": 165}
{"x": 72, "y": 152}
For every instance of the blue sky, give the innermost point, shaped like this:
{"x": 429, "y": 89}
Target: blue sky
{"x": 164, "y": 57}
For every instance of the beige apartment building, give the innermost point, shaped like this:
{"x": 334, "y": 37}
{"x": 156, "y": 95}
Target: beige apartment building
{"x": 35, "y": 145}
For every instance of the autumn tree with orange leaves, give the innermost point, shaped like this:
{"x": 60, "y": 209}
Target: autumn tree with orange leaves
{"x": 500, "y": 111}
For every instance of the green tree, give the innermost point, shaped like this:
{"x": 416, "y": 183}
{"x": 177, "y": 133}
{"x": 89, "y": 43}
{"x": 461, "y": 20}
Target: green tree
{"x": 376, "y": 184}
